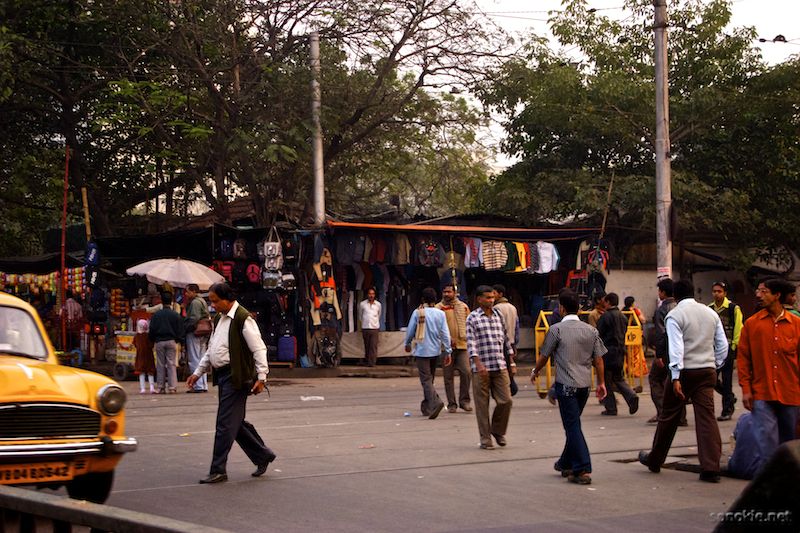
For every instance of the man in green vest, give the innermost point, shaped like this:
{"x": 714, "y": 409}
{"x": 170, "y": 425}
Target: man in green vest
{"x": 731, "y": 316}
{"x": 237, "y": 359}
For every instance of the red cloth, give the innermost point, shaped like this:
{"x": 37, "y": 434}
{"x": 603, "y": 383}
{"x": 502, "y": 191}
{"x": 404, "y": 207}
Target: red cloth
{"x": 768, "y": 363}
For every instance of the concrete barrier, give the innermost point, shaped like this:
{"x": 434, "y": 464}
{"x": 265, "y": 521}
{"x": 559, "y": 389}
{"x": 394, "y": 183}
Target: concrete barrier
{"x": 25, "y": 510}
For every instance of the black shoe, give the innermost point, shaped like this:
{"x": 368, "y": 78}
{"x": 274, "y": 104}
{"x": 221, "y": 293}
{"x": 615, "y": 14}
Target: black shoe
{"x": 564, "y": 472}
{"x": 501, "y": 439}
{"x": 262, "y": 468}
{"x": 683, "y": 423}
{"x": 644, "y": 458}
{"x": 724, "y": 417}
{"x": 609, "y": 413}
{"x": 214, "y": 478}
{"x": 709, "y": 477}
{"x": 634, "y": 406}
{"x": 436, "y": 411}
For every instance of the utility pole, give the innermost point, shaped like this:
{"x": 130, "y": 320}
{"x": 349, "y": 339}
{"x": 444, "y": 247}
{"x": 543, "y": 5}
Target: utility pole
{"x": 662, "y": 146}
{"x": 316, "y": 106}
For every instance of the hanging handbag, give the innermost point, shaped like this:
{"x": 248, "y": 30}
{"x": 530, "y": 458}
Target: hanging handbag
{"x": 203, "y": 328}
{"x": 273, "y": 250}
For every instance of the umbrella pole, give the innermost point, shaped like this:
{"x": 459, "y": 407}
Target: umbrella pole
{"x": 62, "y": 288}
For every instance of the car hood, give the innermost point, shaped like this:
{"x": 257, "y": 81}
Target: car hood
{"x": 23, "y": 380}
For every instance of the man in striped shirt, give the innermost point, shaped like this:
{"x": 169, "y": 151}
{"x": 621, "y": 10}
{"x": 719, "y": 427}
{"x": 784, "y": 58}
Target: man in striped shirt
{"x": 575, "y": 347}
{"x": 487, "y": 344}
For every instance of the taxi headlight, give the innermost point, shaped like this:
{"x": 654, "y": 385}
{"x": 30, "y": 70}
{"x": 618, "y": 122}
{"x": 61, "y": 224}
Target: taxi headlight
{"x": 111, "y": 399}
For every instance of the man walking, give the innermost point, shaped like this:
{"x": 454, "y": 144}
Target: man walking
{"x": 166, "y": 330}
{"x": 730, "y": 315}
{"x": 659, "y": 374}
{"x": 428, "y": 326}
{"x": 487, "y": 343}
{"x": 612, "y": 327}
{"x": 237, "y": 359}
{"x": 369, "y": 314}
{"x": 196, "y": 310}
{"x": 697, "y": 347}
{"x": 511, "y": 321}
{"x": 456, "y": 312}
{"x": 575, "y": 347}
{"x": 768, "y": 366}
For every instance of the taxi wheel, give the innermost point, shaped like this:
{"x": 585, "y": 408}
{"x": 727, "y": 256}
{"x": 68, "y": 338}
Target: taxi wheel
{"x": 121, "y": 372}
{"x": 94, "y": 487}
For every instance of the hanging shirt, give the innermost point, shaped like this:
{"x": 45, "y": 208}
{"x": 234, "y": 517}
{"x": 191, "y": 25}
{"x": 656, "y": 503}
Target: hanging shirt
{"x": 548, "y": 257}
{"x": 402, "y": 250}
{"x": 473, "y": 257}
{"x": 495, "y": 255}
{"x": 522, "y": 256}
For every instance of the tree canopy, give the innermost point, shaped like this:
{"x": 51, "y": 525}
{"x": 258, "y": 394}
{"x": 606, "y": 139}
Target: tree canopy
{"x": 573, "y": 125}
{"x": 210, "y": 100}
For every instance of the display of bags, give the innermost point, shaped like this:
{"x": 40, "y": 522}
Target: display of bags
{"x": 240, "y": 249}
{"x": 273, "y": 251}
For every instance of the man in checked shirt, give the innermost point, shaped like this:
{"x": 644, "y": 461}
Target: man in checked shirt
{"x": 487, "y": 344}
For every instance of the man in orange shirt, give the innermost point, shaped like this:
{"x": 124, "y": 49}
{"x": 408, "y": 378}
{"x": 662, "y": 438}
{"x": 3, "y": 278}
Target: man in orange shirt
{"x": 768, "y": 366}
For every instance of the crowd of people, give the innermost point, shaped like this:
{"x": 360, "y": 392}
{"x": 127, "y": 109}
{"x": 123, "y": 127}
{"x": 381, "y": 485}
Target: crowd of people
{"x": 697, "y": 346}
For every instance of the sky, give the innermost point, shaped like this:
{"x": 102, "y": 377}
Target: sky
{"x": 769, "y": 17}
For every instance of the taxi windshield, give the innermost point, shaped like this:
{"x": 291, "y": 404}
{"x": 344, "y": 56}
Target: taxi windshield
{"x": 20, "y": 335}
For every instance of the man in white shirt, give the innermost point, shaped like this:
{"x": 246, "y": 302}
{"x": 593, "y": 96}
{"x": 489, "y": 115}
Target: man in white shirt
{"x": 697, "y": 348}
{"x": 237, "y": 359}
{"x": 369, "y": 314}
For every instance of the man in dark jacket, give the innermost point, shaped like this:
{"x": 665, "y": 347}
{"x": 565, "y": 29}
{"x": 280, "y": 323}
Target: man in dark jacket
{"x": 612, "y": 327}
{"x": 659, "y": 373}
{"x": 166, "y": 330}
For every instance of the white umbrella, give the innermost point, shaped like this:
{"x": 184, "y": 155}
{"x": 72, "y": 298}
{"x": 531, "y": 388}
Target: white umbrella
{"x": 178, "y": 272}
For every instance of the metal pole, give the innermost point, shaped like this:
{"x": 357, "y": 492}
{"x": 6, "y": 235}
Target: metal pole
{"x": 63, "y": 279}
{"x": 662, "y": 146}
{"x": 316, "y": 106}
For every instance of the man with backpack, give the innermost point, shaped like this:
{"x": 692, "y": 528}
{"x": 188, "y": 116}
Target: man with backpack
{"x": 731, "y": 316}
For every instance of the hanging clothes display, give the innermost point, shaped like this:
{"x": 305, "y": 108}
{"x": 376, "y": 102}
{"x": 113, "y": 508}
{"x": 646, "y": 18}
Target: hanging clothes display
{"x": 548, "y": 257}
{"x": 401, "y": 249}
{"x": 324, "y": 301}
{"x": 473, "y": 256}
{"x": 430, "y": 253}
{"x": 495, "y": 255}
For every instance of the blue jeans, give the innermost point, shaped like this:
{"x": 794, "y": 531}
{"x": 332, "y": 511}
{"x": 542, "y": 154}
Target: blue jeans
{"x": 774, "y": 423}
{"x": 571, "y": 402}
{"x": 195, "y": 347}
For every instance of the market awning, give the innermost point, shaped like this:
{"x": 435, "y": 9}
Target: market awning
{"x": 37, "y": 264}
{"x": 523, "y": 234}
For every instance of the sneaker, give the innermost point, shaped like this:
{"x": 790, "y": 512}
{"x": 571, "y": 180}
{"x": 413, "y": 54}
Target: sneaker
{"x": 452, "y": 408}
{"x": 141, "y": 391}
{"x": 564, "y": 472}
{"x": 485, "y": 446}
{"x": 724, "y": 417}
{"x": 466, "y": 407}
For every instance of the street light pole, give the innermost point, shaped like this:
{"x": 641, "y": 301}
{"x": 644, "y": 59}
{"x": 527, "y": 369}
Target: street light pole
{"x": 662, "y": 145}
{"x": 316, "y": 108}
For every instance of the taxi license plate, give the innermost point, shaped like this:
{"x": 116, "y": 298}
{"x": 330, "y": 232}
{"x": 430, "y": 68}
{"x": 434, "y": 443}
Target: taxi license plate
{"x": 35, "y": 473}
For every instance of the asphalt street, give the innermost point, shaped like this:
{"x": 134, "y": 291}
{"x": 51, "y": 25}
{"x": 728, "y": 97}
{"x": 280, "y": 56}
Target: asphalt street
{"x": 349, "y": 459}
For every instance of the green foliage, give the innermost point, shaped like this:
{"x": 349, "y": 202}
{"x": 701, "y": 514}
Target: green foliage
{"x": 209, "y": 99}
{"x": 733, "y": 121}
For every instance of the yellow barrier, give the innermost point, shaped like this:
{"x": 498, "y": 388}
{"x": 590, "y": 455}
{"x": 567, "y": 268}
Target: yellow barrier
{"x": 635, "y": 364}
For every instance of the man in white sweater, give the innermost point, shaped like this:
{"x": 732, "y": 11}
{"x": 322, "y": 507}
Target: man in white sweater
{"x": 697, "y": 347}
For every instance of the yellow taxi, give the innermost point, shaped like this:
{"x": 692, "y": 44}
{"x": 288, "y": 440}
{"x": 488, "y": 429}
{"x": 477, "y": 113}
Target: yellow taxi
{"x": 58, "y": 425}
